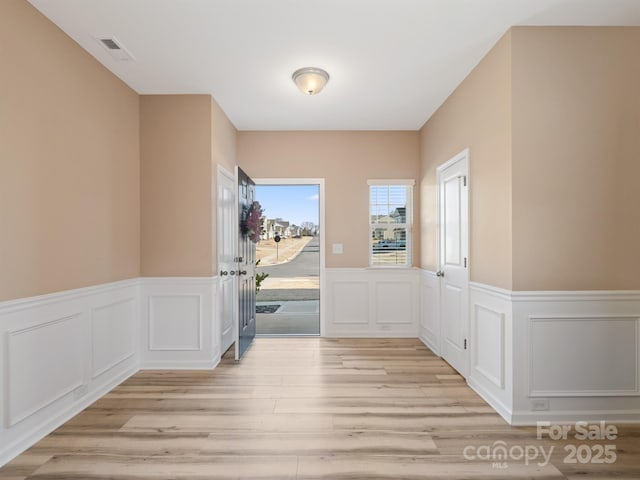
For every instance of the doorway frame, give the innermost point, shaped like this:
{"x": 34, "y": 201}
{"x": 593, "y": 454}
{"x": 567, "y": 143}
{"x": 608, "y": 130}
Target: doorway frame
{"x": 463, "y": 155}
{"x": 320, "y": 183}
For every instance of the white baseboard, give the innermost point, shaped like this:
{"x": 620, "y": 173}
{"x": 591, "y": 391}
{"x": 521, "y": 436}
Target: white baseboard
{"x": 180, "y": 364}
{"x": 495, "y": 403}
{"x": 22, "y": 443}
{"x": 529, "y": 418}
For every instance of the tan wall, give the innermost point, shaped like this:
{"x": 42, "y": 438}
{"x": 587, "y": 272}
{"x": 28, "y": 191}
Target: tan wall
{"x": 576, "y": 158}
{"x": 345, "y": 160}
{"x": 69, "y": 171}
{"x": 176, "y": 188}
{"x": 477, "y": 116}
{"x": 223, "y": 153}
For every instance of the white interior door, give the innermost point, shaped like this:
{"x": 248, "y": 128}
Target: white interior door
{"x": 454, "y": 252}
{"x": 226, "y": 257}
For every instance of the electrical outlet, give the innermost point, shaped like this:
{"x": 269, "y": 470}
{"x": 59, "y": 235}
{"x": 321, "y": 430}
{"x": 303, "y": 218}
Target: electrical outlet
{"x": 540, "y": 404}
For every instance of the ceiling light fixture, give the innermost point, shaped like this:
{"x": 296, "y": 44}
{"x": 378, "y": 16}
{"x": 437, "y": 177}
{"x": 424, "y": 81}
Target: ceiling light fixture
{"x": 310, "y": 80}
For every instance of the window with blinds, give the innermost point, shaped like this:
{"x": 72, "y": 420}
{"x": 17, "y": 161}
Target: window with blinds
{"x": 390, "y": 222}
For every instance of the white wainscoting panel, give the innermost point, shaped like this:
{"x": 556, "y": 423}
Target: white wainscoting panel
{"x": 63, "y": 351}
{"x": 489, "y": 332}
{"x": 430, "y": 310}
{"x": 395, "y": 301}
{"x": 180, "y": 322}
{"x": 350, "y": 302}
{"x": 58, "y": 366}
{"x": 114, "y": 334}
{"x": 175, "y": 322}
{"x": 372, "y": 302}
{"x": 592, "y": 369}
{"x": 554, "y": 356}
{"x": 491, "y": 346}
{"x": 578, "y": 356}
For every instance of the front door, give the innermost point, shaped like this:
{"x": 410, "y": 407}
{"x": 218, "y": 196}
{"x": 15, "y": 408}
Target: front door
{"x": 246, "y": 262}
{"x": 454, "y": 248}
{"x": 226, "y": 256}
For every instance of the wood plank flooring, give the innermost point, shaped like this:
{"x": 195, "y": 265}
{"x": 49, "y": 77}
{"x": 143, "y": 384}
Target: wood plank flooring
{"x": 302, "y": 408}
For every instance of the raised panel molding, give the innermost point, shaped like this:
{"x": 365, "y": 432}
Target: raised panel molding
{"x": 394, "y": 302}
{"x": 488, "y": 343}
{"x": 113, "y": 331}
{"x": 603, "y": 361}
{"x": 175, "y": 323}
{"x": 180, "y": 323}
{"x": 36, "y": 381}
{"x": 350, "y": 302}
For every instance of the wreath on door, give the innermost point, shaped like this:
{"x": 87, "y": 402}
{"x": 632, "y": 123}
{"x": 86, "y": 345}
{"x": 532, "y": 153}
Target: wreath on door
{"x": 251, "y": 221}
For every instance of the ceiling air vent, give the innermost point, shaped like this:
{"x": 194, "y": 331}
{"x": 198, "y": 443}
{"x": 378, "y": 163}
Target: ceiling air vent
{"x": 115, "y": 48}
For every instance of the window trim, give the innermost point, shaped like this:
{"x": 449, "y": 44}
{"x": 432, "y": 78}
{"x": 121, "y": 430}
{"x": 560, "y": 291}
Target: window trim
{"x": 410, "y": 184}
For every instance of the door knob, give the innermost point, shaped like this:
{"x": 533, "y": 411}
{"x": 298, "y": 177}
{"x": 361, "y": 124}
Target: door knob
{"x": 223, "y": 273}
{"x": 232, "y": 272}
{"x": 242, "y": 272}
{"x": 440, "y": 273}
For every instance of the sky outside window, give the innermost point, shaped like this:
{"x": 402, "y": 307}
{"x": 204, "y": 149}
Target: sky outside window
{"x": 293, "y": 203}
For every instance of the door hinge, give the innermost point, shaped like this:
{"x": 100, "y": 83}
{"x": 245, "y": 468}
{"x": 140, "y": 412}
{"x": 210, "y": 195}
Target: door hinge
{"x": 464, "y": 180}
{"x": 465, "y": 343}
{"x": 465, "y": 262}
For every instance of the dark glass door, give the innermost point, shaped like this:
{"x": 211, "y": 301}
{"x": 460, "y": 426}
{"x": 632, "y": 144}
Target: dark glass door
{"x": 246, "y": 262}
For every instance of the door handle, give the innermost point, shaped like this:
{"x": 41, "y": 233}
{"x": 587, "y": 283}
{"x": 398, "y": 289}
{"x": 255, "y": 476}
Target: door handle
{"x": 440, "y": 273}
{"x": 223, "y": 273}
{"x": 242, "y": 272}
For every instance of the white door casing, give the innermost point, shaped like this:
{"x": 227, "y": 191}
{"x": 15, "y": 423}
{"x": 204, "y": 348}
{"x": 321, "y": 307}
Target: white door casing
{"x": 226, "y": 256}
{"x": 453, "y": 257}
{"x": 320, "y": 183}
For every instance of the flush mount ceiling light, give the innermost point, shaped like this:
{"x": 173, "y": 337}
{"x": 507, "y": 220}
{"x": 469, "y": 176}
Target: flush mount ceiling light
{"x": 310, "y": 80}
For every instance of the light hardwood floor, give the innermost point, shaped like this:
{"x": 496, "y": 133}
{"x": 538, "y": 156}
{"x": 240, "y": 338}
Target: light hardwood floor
{"x": 302, "y": 408}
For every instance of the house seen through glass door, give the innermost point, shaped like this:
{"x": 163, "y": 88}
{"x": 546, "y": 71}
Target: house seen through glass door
{"x": 288, "y": 254}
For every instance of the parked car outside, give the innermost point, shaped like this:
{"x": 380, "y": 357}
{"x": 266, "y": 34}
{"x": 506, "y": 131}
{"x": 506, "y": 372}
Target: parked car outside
{"x": 385, "y": 245}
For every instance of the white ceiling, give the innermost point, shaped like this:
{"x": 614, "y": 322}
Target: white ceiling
{"x": 392, "y": 62}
